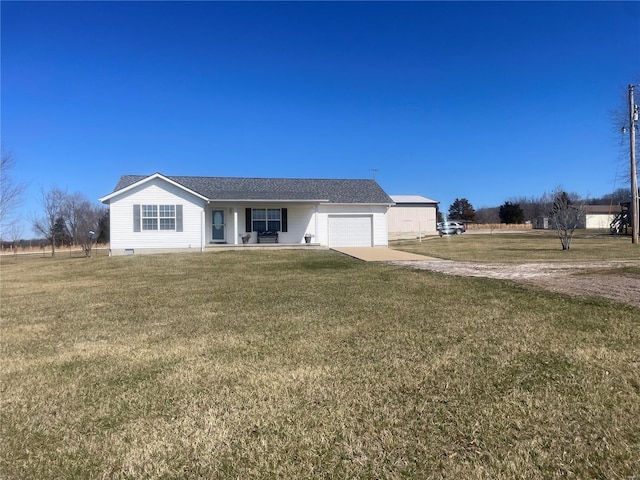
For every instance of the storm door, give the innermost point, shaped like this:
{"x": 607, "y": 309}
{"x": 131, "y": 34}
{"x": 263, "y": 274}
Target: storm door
{"x": 217, "y": 231}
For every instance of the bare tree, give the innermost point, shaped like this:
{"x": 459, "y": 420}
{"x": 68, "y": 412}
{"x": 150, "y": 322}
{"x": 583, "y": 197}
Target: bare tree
{"x": 82, "y": 221}
{"x": 532, "y": 207}
{"x": 487, "y": 215}
{"x": 10, "y": 191}
{"x": 73, "y": 209}
{"x": 621, "y": 128}
{"x": 566, "y": 214}
{"x": 14, "y": 234}
{"x": 49, "y": 224}
{"x": 618, "y": 196}
{"x": 88, "y": 226}
{"x": 104, "y": 226}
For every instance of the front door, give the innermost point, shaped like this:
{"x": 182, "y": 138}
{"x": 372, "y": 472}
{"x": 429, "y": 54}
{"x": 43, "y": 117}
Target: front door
{"x": 217, "y": 231}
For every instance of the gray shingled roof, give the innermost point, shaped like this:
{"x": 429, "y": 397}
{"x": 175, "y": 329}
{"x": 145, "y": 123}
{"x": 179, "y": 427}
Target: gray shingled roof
{"x": 230, "y": 188}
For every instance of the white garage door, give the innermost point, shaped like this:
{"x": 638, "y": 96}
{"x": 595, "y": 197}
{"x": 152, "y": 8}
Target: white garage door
{"x": 350, "y": 231}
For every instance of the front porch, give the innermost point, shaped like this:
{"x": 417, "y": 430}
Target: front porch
{"x": 277, "y": 224}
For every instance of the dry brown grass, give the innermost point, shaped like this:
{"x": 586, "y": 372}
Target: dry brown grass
{"x": 307, "y": 364}
{"x": 524, "y": 247}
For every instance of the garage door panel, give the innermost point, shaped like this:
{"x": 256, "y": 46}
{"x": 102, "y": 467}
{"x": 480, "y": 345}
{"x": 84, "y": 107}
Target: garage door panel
{"x": 350, "y": 231}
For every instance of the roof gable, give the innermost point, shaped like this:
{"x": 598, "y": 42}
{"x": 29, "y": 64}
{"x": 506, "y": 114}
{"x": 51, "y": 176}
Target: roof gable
{"x": 356, "y": 191}
{"x": 133, "y": 181}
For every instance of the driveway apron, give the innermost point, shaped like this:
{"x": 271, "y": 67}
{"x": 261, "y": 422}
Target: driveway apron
{"x": 379, "y": 254}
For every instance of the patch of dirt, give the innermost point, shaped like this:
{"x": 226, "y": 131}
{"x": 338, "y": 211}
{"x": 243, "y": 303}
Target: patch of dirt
{"x": 593, "y": 279}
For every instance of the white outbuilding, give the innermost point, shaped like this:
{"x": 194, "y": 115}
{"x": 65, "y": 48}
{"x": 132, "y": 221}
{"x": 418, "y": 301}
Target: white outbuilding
{"x": 412, "y": 216}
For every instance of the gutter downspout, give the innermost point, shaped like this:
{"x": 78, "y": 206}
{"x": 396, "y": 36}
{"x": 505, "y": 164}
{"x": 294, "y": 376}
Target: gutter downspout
{"x": 202, "y": 230}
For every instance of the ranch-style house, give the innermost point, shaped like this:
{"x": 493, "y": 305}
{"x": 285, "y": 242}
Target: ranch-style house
{"x": 163, "y": 213}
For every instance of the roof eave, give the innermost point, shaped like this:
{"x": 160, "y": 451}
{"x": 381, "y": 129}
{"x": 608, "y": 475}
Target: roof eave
{"x": 378, "y": 204}
{"x": 260, "y": 200}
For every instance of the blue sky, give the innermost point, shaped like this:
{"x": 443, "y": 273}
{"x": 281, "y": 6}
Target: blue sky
{"x": 480, "y": 100}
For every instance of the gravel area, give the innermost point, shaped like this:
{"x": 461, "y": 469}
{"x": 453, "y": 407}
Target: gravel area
{"x": 593, "y": 279}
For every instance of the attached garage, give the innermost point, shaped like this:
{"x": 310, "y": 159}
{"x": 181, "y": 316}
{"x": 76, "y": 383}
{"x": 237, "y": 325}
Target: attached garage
{"x": 350, "y": 230}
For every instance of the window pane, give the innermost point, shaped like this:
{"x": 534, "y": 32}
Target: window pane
{"x": 149, "y": 223}
{"x": 149, "y": 211}
{"x": 259, "y": 214}
{"x": 167, "y": 224}
{"x": 167, "y": 211}
{"x": 274, "y": 225}
{"x": 273, "y": 214}
{"x": 259, "y": 225}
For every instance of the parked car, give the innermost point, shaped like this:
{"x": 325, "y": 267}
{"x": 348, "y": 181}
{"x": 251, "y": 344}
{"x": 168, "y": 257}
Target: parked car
{"x": 451, "y": 228}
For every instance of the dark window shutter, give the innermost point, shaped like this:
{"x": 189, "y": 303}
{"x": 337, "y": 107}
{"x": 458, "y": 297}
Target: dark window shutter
{"x": 178, "y": 218}
{"x": 284, "y": 219}
{"x": 136, "y": 218}
{"x": 247, "y": 220}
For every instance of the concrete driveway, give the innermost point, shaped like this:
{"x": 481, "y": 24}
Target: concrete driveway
{"x": 379, "y": 254}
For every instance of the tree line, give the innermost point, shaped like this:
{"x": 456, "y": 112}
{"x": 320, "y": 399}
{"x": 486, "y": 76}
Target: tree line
{"x": 527, "y": 209}
{"x": 563, "y": 211}
{"x": 71, "y": 219}
{"x": 64, "y": 218}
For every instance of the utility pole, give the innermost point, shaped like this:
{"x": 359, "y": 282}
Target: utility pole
{"x": 635, "y": 206}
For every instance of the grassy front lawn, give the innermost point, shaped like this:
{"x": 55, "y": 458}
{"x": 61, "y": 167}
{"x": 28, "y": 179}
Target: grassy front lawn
{"x": 529, "y": 246}
{"x": 307, "y": 364}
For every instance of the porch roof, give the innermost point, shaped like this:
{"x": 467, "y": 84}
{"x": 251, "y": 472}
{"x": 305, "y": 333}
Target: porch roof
{"x": 357, "y": 191}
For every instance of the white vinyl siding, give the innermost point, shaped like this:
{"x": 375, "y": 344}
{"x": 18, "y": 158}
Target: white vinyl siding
{"x": 300, "y": 220}
{"x": 186, "y": 221}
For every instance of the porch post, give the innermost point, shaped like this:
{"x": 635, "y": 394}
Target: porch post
{"x": 235, "y": 225}
{"x": 315, "y": 215}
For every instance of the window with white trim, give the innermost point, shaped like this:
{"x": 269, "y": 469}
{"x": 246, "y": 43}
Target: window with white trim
{"x": 149, "y": 217}
{"x": 266, "y": 219}
{"x": 157, "y": 217}
{"x": 167, "y": 217}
